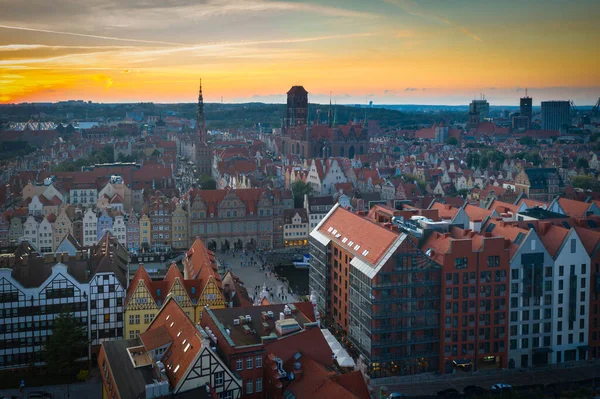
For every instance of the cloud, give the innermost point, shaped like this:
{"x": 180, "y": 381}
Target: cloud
{"x": 413, "y": 9}
{"x": 411, "y": 89}
{"x": 123, "y": 39}
{"x": 388, "y": 91}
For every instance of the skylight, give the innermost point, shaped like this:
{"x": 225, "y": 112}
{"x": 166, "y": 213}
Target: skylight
{"x": 365, "y": 252}
{"x": 176, "y": 368}
{"x": 351, "y": 243}
{"x": 519, "y": 238}
{"x": 356, "y": 247}
{"x": 168, "y": 316}
{"x": 187, "y": 347}
{"x": 172, "y": 324}
{"x": 329, "y": 229}
{"x": 338, "y": 235}
{"x": 334, "y": 232}
{"x": 344, "y": 240}
{"x": 179, "y": 333}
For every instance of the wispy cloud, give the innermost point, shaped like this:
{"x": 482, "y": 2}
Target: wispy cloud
{"x": 413, "y": 9}
{"x": 411, "y": 89}
{"x": 122, "y": 39}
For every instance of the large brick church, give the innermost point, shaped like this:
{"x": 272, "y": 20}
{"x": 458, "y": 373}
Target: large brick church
{"x": 315, "y": 140}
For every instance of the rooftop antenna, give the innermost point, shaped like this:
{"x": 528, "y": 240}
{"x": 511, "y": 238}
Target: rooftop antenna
{"x": 526, "y": 92}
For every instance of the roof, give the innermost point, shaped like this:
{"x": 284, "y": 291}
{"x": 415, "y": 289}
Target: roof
{"x": 289, "y": 214}
{"x": 130, "y": 382}
{"x": 186, "y": 340}
{"x": 367, "y": 239}
{"x": 239, "y": 336}
{"x": 200, "y": 264}
{"x": 155, "y": 338}
{"x": 476, "y": 213}
{"x": 445, "y": 211}
{"x": 297, "y": 90}
{"x": 316, "y": 381}
{"x": 574, "y": 208}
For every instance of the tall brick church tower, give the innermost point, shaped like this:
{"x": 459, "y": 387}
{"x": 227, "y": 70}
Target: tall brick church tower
{"x": 297, "y": 106}
{"x": 203, "y": 152}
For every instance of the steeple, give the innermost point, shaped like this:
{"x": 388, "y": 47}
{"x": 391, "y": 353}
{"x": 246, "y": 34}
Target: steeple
{"x": 329, "y": 121}
{"x": 335, "y": 115}
{"x": 200, "y": 121}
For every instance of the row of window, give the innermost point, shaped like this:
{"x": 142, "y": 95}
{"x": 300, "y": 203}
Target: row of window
{"x": 239, "y": 363}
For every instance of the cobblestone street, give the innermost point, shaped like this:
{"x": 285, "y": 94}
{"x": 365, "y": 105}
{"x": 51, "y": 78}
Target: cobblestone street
{"x": 254, "y": 276}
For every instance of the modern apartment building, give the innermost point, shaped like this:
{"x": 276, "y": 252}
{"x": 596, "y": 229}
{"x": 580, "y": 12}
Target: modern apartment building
{"x": 555, "y": 114}
{"x": 372, "y": 282}
{"x": 474, "y": 318}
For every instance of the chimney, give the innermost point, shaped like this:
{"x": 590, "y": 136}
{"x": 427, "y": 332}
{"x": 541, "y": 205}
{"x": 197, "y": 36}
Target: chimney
{"x": 281, "y": 316}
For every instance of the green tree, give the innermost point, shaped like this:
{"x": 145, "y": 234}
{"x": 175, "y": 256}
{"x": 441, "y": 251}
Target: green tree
{"x": 582, "y": 163}
{"x": 207, "y": 183}
{"x": 484, "y": 162}
{"x": 66, "y": 345}
{"x": 299, "y": 189}
{"x": 527, "y": 140}
{"x": 451, "y": 141}
{"x": 469, "y": 159}
{"x": 586, "y": 183}
{"x": 463, "y": 192}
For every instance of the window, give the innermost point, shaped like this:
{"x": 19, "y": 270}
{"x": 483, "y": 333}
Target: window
{"x": 573, "y": 245}
{"x": 137, "y": 319}
{"x": 561, "y": 271}
{"x": 248, "y": 386}
{"x": 493, "y": 261}
{"x": 259, "y": 385}
{"x": 131, "y": 319}
{"x": 226, "y": 395}
{"x": 219, "y": 378}
{"x": 239, "y": 364}
{"x": 107, "y": 318}
{"x": 258, "y": 365}
{"x": 461, "y": 263}
{"x": 249, "y": 362}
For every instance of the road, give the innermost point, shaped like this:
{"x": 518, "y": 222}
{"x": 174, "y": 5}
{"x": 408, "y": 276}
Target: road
{"x": 515, "y": 378}
{"x": 253, "y": 276}
{"x": 88, "y": 390}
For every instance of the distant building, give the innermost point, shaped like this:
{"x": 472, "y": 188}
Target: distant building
{"x": 304, "y": 139}
{"x": 203, "y": 152}
{"x": 520, "y": 122}
{"x": 295, "y": 227}
{"x": 540, "y": 184}
{"x": 526, "y": 107}
{"x": 555, "y": 114}
{"x": 479, "y": 110}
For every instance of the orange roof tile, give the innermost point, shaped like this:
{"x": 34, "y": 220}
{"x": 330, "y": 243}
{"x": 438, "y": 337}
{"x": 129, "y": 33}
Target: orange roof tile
{"x": 574, "y": 208}
{"x": 360, "y": 231}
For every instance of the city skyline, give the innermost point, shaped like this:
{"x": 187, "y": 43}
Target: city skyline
{"x": 388, "y": 51}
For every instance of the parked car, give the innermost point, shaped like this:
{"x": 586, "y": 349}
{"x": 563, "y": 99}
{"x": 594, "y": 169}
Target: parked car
{"x": 471, "y": 390}
{"x": 500, "y": 387}
{"x": 449, "y": 393}
{"x": 395, "y": 395}
{"x": 39, "y": 395}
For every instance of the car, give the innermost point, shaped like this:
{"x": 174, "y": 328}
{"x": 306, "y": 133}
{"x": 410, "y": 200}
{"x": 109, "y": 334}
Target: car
{"x": 471, "y": 390}
{"x": 500, "y": 387}
{"x": 39, "y": 395}
{"x": 450, "y": 392}
{"x": 395, "y": 395}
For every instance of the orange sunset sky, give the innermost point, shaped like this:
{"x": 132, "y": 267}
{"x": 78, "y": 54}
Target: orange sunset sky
{"x": 385, "y": 51}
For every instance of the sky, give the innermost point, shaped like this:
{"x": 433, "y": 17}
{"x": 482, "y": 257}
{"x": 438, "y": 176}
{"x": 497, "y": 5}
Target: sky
{"x": 385, "y": 51}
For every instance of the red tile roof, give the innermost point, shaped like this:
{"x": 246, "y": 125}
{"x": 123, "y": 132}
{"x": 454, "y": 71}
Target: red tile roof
{"x": 574, "y": 208}
{"x": 360, "y": 231}
{"x": 178, "y": 358}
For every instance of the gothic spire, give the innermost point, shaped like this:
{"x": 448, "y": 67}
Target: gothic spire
{"x": 200, "y": 122}
{"x": 329, "y": 121}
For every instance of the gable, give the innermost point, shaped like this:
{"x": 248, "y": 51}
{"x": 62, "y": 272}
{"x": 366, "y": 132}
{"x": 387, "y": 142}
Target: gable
{"x": 204, "y": 370}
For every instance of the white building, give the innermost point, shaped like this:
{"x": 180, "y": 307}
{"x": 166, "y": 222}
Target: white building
{"x": 295, "y": 227}
{"x": 119, "y": 229}
{"x": 45, "y": 241}
{"x": 90, "y": 227}
{"x": 30, "y": 231}
{"x": 317, "y": 208}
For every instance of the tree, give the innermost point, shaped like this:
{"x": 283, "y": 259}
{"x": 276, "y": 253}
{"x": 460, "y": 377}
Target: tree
{"x": 586, "y": 183}
{"x": 463, "y": 192}
{"x": 451, "y": 141}
{"x": 66, "y": 345}
{"x": 469, "y": 159}
{"x": 527, "y": 140}
{"x": 299, "y": 189}
{"x": 483, "y": 163}
{"x": 207, "y": 183}
{"x": 582, "y": 163}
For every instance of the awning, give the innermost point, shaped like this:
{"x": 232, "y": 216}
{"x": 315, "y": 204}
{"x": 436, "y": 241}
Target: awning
{"x": 584, "y": 347}
{"x": 543, "y": 350}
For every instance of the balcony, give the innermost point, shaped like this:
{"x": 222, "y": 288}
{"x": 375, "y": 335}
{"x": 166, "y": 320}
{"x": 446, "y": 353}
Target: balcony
{"x": 400, "y": 299}
{"x": 402, "y": 342}
{"x": 414, "y": 327}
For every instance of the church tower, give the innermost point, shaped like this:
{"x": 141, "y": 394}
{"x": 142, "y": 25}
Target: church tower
{"x": 203, "y": 152}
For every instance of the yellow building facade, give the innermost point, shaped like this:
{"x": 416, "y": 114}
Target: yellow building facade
{"x": 145, "y": 298}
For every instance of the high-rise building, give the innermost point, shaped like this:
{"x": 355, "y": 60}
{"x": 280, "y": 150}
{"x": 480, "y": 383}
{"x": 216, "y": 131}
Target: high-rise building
{"x": 525, "y": 107}
{"x": 555, "y": 114}
{"x": 478, "y": 111}
{"x": 203, "y": 151}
